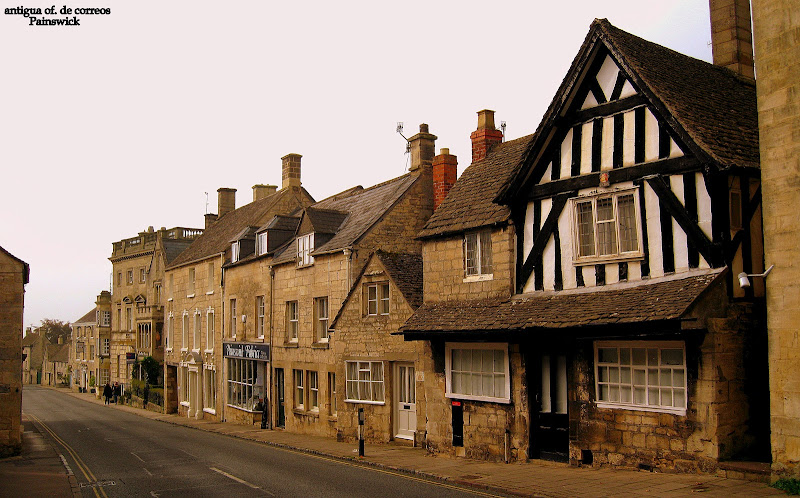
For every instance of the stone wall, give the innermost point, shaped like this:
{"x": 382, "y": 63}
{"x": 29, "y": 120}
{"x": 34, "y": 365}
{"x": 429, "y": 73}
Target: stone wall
{"x": 777, "y": 52}
{"x": 13, "y": 276}
{"x": 443, "y": 266}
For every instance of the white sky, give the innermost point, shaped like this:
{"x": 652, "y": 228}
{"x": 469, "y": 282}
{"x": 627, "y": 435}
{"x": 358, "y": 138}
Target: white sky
{"x": 125, "y": 121}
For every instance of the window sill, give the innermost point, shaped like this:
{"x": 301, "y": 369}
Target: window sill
{"x": 681, "y": 412}
{"x": 487, "y": 399}
{"x": 364, "y": 402}
{"x": 244, "y": 409}
{"x": 189, "y": 296}
{"x": 291, "y": 344}
{"x": 169, "y": 300}
{"x": 479, "y": 278}
{"x": 210, "y": 410}
{"x": 310, "y": 413}
{"x": 609, "y": 259}
{"x": 320, "y": 345}
{"x": 208, "y": 351}
{"x": 185, "y": 403}
{"x": 184, "y": 350}
{"x": 209, "y": 293}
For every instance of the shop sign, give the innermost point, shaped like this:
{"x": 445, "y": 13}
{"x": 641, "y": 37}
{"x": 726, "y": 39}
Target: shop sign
{"x": 130, "y": 358}
{"x": 246, "y": 351}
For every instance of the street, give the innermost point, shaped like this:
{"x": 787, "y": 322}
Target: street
{"x": 114, "y": 453}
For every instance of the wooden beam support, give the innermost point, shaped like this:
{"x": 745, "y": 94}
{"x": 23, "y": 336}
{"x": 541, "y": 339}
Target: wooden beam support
{"x": 540, "y": 241}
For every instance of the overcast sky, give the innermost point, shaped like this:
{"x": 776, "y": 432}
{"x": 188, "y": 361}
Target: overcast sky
{"x": 127, "y": 120}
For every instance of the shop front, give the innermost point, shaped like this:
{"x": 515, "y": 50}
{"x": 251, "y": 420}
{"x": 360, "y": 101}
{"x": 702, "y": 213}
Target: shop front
{"x": 246, "y": 381}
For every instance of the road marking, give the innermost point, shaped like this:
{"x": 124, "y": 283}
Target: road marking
{"x": 240, "y": 481}
{"x": 137, "y": 457}
{"x": 148, "y": 472}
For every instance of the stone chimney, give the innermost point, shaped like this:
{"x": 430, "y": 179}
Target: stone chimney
{"x": 291, "y": 170}
{"x": 445, "y": 173}
{"x": 423, "y": 148}
{"x": 210, "y": 219}
{"x": 731, "y": 38}
{"x": 260, "y": 191}
{"x": 485, "y": 136}
{"x": 226, "y": 201}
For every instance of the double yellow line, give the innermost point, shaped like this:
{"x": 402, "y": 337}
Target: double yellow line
{"x": 98, "y": 491}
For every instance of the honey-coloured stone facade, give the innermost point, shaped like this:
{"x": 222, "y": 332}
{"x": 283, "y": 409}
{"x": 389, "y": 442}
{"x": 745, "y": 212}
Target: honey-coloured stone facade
{"x": 13, "y": 277}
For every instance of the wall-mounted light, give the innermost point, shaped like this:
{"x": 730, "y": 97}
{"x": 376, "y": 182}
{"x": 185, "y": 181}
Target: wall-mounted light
{"x": 744, "y": 281}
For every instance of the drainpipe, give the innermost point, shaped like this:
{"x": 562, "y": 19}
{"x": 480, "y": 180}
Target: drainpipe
{"x": 271, "y": 366}
{"x": 348, "y": 254}
{"x": 222, "y": 336}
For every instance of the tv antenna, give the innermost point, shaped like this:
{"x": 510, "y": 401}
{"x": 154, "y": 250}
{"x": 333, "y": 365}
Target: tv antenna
{"x": 206, "y": 201}
{"x": 503, "y": 128}
{"x": 399, "y": 131}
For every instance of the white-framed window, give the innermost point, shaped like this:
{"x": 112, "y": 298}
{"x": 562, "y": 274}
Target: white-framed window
{"x": 244, "y": 384}
{"x": 191, "y": 282}
{"x": 321, "y": 319}
{"x": 305, "y": 246}
{"x": 641, "y": 375}
{"x": 130, "y": 277}
{"x": 299, "y": 390}
{"x": 210, "y": 283}
{"x": 185, "y": 331}
{"x": 105, "y": 376}
{"x": 235, "y": 252}
{"x": 332, "y": 392}
{"x": 364, "y": 381}
{"x": 260, "y": 317}
{"x": 313, "y": 391}
{"x": 129, "y": 317}
{"x": 198, "y": 321}
{"x": 477, "y": 371}
{"x": 292, "y": 321}
{"x": 210, "y": 328}
{"x": 378, "y": 298}
{"x": 105, "y": 346}
{"x": 169, "y": 336}
{"x": 478, "y": 253}
{"x": 142, "y": 275}
{"x": 103, "y": 318}
{"x": 209, "y": 389}
{"x": 607, "y": 226}
{"x": 183, "y": 383}
{"x": 233, "y": 318}
{"x": 261, "y": 242}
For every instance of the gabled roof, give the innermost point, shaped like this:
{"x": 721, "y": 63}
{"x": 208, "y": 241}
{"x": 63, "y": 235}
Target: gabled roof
{"x": 404, "y": 269}
{"x": 216, "y": 238}
{"x": 26, "y": 269}
{"x": 58, "y": 353}
{"x": 470, "y": 202}
{"x": 282, "y": 222}
{"x": 91, "y": 316}
{"x": 325, "y": 220}
{"x": 710, "y": 107}
{"x": 363, "y": 208}
{"x": 30, "y": 339}
{"x": 665, "y": 299}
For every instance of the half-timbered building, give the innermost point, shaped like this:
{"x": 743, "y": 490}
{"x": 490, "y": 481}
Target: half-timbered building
{"x": 625, "y": 338}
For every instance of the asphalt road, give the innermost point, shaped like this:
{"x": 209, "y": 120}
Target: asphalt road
{"x": 114, "y": 453}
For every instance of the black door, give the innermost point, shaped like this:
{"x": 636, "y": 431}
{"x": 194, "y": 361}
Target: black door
{"x": 281, "y": 395}
{"x": 550, "y": 423}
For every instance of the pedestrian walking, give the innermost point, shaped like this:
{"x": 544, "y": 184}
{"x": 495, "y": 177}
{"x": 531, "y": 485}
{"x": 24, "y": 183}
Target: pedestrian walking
{"x": 117, "y": 391}
{"x": 107, "y": 391}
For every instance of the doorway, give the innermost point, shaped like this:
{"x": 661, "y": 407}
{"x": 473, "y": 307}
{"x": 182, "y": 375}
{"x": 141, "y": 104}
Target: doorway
{"x": 550, "y": 421}
{"x": 280, "y": 395}
{"x": 405, "y": 401}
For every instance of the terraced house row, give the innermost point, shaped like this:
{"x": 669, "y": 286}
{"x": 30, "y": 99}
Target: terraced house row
{"x": 574, "y": 295}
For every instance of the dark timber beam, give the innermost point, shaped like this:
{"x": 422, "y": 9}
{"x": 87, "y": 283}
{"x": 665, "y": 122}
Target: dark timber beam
{"x": 540, "y": 241}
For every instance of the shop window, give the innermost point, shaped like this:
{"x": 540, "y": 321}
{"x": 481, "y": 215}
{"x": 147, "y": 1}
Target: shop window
{"x": 477, "y": 371}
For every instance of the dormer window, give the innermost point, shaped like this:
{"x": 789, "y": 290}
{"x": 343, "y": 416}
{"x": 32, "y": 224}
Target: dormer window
{"x": 261, "y": 243}
{"x": 305, "y": 245}
{"x": 234, "y": 252}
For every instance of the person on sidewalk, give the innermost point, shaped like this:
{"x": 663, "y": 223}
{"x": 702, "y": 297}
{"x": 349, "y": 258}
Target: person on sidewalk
{"x": 117, "y": 392}
{"x": 107, "y": 391}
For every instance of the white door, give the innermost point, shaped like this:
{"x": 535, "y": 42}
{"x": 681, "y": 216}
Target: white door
{"x": 194, "y": 405}
{"x": 405, "y": 401}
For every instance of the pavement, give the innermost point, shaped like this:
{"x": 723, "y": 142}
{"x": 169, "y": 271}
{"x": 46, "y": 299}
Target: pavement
{"x": 23, "y": 475}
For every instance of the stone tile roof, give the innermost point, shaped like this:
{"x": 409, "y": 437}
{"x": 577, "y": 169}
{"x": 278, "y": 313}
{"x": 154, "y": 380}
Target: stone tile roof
{"x": 58, "y": 353}
{"x": 469, "y": 203}
{"x": 30, "y": 339}
{"x": 216, "y": 238}
{"x": 26, "y": 269}
{"x": 173, "y": 248}
{"x": 281, "y": 222}
{"x": 325, "y": 220}
{"x": 91, "y": 316}
{"x": 364, "y": 208}
{"x": 658, "y": 300}
{"x": 405, "y": 269}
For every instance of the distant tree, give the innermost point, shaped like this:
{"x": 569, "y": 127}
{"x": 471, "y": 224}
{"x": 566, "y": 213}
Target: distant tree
{"x": 152, "y": 370}
{"x": 53, "y": 329}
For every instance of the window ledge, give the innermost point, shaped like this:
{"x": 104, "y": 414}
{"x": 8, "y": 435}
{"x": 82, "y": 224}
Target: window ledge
{"x": 320, "y": 345}
{"x": 291, "y": 344}
{"x": 208, "y": 351}
{"x": 310, "y": 413}
{"x": 185, "y": 403}
{"x": 479, "y": 278}
{"x": 298, "y": 411}
{"x": 209, "y": 293}
{"x": 470, "y": 397}
{"x": 189, "y": 296}
{"x": 609, "y": 259}
{"x": 309, "y": 265}
{"x": 244, "y": 409}
{"x": 681, "y": 412}
{"x": 364, "y": 402}
{"x": 184, "y": 350}
{"x": 169, "y": 299}
{"x": 210, "y": 410}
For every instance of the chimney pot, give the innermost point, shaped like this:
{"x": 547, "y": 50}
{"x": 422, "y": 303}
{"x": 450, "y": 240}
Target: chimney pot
{"x": 423, "y": 148}
{"x": 485, "y": 136}
{"x": 291, "y": 170}
{"x": 226, "y": 201}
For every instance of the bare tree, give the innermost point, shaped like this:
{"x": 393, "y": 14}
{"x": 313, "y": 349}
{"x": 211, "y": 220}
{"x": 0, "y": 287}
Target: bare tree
{"x": 53, "y": 329}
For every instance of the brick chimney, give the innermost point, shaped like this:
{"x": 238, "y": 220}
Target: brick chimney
{"x": 260, "y": 191}
{"x": 291, "y": 170}
{"x": 485, "y": 136}
{"x": 226, "y": 201}
{"x": 423, "y": 148}
{"x": 731, "y": 38}
{"x": 445, "y": 173}
{"x": 210, "y": 218}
